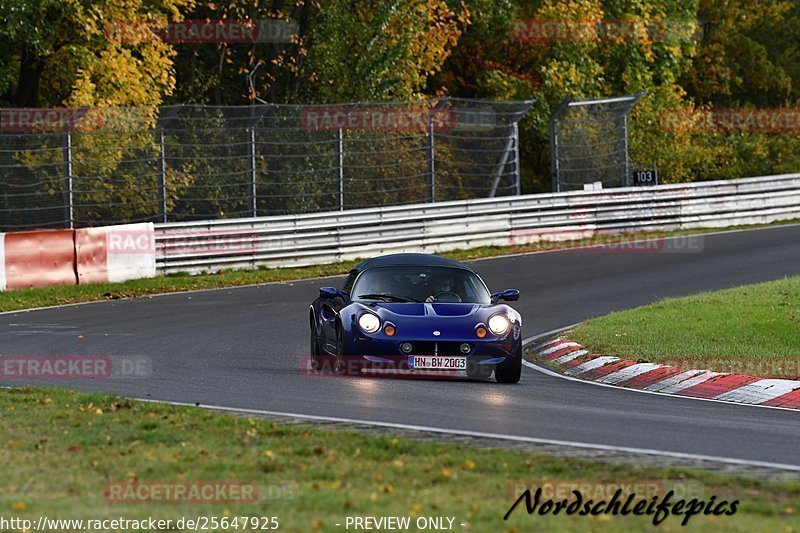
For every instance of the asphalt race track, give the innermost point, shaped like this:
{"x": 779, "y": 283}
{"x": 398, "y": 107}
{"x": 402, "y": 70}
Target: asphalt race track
{"x": 242, "y": 348}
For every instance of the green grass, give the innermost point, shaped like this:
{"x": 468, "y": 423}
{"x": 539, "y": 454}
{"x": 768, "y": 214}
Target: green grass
{"x": 753, "y": 330}
{"x": 59, "y": 449}
{"x": 68, "y": 294}
{"x": 47, "y": 296}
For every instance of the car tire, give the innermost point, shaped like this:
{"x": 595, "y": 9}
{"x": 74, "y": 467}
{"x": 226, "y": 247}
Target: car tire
{"x": 340, "y": 365}
{"x": 316, "y": 363}
{"x": 476, "y": 371}
{"x": 512, "y": 372}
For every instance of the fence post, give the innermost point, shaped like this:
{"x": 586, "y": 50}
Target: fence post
{"x": 502, "y": 164}
{"x": 68, "y": 200}
{"x": 518, "y": 172}
{"x": 253, "y": 190}
{"x": 340, "y": 175}
{"x": 625, "y": 163}
{"x": 162, "y": 176}
{"x": 431, "y": 162}
{"x": 554, "y": 155}
{"x": 554, "y": 164}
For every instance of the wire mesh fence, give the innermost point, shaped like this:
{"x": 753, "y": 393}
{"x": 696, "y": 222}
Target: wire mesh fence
{"x": 589, "y": 142}
{"x": 96, "y": 166}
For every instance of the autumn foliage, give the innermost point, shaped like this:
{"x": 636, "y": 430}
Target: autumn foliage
{"x": 688, "y": 55}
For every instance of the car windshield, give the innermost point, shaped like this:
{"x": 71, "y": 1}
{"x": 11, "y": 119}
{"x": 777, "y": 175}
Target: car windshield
{"x": 420, "y": 284}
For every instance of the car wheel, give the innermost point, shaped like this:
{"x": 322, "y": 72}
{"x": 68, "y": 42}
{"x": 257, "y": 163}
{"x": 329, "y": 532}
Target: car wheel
{"x": 510, "y": 373}
{"x": 315, "y": 353}
{"x": 340, "y": 366}
{"x": 476, "y": 371}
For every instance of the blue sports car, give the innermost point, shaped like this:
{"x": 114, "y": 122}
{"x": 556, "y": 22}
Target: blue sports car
{"x": 419, "y": 314}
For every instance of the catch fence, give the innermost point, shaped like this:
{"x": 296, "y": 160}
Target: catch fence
{"x": 103, "y": 166}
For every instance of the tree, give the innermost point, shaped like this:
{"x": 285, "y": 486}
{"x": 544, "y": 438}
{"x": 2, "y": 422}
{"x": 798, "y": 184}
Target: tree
{"x": 599, "y": 48}
{"x": 67, "y": 53}
{"x": 379, "y": 50}
{"x": 749, "y": 54}
{"x": 217, "y": 73}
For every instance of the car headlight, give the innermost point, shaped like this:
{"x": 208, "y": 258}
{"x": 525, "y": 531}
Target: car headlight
{"x": 369, "y": 322}
{"x": 499, "y": 324}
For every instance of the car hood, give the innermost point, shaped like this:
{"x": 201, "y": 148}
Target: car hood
{"x": 442, "y": 312}
{"x": 386, "y": 309}
{"x": 433, "y": 321}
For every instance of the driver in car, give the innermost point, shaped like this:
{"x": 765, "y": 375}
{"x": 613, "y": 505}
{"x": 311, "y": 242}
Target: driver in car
{"x": 439, "y": 285}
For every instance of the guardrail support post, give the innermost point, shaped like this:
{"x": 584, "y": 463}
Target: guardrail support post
{"x": 68, "y": 199}
{"x": 253, "y": 190}
{"x": 162, "y": 177}
{"x": 340, "y": 171}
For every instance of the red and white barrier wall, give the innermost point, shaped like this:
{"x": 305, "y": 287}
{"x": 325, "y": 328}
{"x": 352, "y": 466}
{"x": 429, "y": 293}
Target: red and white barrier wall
{"x": 70, "y": 257}
{"x": 37, "y": 259}
{"x": 115, "y": 253}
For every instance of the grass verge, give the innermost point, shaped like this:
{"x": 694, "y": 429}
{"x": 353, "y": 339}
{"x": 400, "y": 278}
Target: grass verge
{"x": 753, "y": 329}
{"x": 47, "y": 296}
{"x": 61, "y": 451}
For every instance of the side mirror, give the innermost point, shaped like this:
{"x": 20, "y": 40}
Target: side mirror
{"x": 328, "y": 292}
{"x": 509, "y": 295}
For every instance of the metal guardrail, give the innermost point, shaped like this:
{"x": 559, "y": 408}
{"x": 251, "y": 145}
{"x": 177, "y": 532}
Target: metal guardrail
{"x": 317, "y": 238}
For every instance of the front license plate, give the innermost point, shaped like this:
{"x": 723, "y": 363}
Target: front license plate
{"x": 437, "y": 362}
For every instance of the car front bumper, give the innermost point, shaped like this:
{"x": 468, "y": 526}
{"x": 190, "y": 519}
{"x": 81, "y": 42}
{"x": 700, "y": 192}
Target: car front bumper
{"x": 371, "y": 352}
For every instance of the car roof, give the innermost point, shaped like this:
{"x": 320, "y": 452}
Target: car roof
{"x": 410, "y": 259}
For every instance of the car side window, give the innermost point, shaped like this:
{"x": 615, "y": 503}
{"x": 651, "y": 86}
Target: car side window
{"x": 348, "y": 283}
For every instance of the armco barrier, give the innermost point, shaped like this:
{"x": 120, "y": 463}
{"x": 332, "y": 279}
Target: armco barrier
{"x": 317, "y": 238}
{"x": 69, "y": 257}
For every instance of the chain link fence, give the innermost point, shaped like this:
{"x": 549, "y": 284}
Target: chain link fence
{"x": 589, "y": 142}
{"x": 99, "y": 166}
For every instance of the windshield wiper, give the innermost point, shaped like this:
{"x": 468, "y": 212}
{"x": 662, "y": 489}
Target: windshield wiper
{"x": 386, "y": 298}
